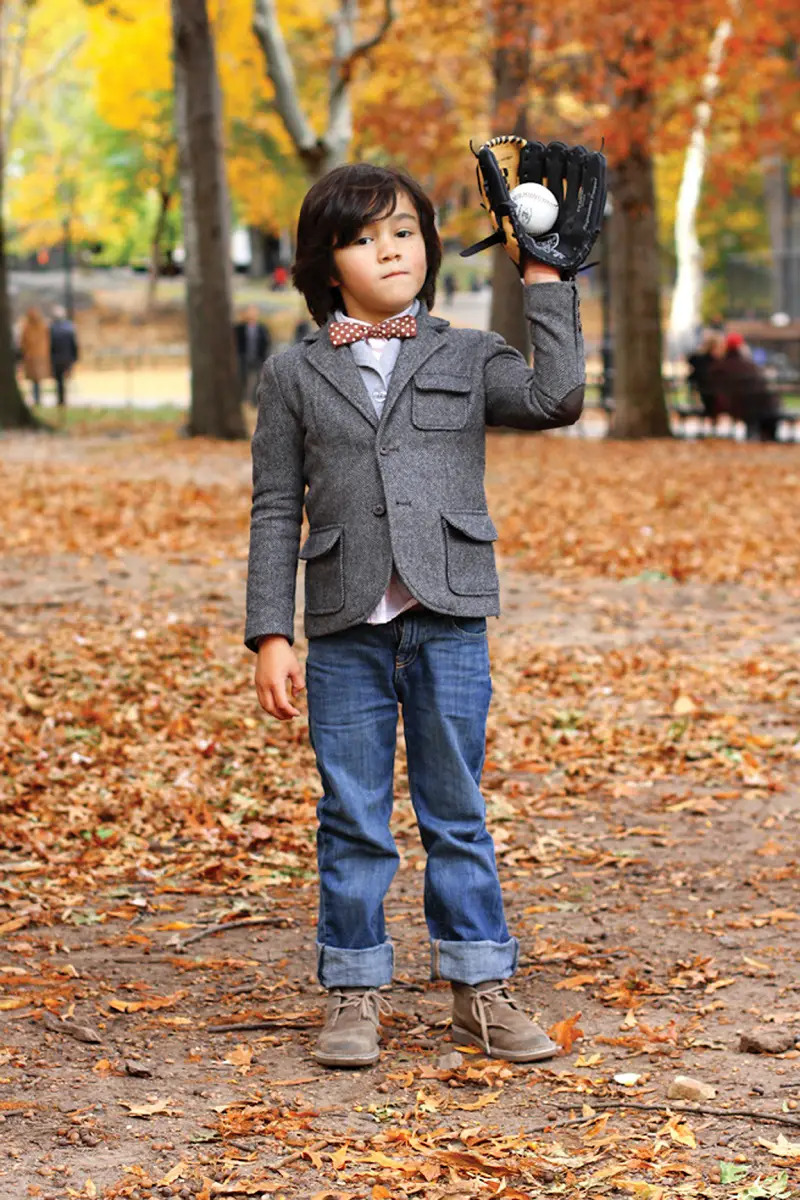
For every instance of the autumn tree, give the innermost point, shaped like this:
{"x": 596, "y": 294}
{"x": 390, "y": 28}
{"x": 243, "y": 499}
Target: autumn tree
{"x": 511, "y": 25}
{"x": 14, "y": 25}
{"x": 619, "y": 66}
{"x": 215, "y": 403}
{"x": 14, "y": 413}
{"x": 318, "y": 149}
{"x": 130, "y": 66}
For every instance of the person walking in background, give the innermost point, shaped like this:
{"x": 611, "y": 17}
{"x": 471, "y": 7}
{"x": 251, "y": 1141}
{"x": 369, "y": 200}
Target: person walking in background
{"x": 35, "y": 351}
{"x": 253, "y": 344}
{"x": 743, "y": 390}
{"x": 63, "y": 350}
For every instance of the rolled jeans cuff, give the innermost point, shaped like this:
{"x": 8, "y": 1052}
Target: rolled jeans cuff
{"x": 338, "y": 967}
{"x": 474, "y": 962}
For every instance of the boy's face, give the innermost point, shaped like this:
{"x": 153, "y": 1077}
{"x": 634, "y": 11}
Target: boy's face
{"x": 381, "y": 272}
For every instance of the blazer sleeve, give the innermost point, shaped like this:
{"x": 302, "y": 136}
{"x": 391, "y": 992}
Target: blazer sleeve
{"x": 550, "y": 393}
{"x": 276, "y": 513}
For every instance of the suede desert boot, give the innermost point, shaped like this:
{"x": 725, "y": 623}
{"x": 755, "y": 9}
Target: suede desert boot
{"x": 349, "y": 1037}
{"x": 487, "y": 1016}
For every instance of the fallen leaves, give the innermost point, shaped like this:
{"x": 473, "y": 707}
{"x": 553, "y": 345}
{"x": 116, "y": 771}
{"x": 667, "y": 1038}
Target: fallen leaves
{"x": 680, "y": 1131}
{"x": 153, "y": 1108}
{"x": 632, "y": 725}
{"x": 567, "y": 1032}
{"x": 782, "y": 1147}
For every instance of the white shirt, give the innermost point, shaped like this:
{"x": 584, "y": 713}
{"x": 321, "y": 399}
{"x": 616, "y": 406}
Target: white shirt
{"x": 377, "y": 356}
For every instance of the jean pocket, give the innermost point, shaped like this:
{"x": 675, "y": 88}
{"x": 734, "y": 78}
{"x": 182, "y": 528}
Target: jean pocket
{"x": 471, "y": 628}
{"x": 323, "y": 552}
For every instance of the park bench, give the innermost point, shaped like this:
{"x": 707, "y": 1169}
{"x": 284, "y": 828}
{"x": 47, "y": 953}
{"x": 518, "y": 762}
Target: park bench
{"x": 788, "y": 420}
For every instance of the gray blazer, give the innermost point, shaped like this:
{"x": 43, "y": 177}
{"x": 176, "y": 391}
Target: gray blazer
{"x": 406, "y": 488}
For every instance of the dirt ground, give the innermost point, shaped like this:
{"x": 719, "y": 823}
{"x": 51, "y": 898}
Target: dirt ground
{"x": 642, "y": 783}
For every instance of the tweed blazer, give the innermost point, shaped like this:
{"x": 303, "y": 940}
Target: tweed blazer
{"x": 406, "y": 488}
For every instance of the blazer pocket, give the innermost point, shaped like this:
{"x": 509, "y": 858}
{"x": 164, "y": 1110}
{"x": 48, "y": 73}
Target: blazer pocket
{"x": 469, "y": 553}
{"x": 322, "y": 553}
{"x": 440, "y": 401}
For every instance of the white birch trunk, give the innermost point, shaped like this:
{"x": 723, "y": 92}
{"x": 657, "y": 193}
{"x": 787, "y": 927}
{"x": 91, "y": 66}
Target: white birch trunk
{"x": 318, "y": 152}
{"x": 687, "y": 296}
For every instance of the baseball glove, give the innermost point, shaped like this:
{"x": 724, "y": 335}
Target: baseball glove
{"x": 576, "y": 177}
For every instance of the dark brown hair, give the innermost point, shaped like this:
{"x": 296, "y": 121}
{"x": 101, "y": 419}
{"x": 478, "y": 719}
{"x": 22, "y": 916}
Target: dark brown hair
{"x": 332, "y": 214}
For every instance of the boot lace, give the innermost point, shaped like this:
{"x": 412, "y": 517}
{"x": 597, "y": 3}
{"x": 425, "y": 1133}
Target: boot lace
{"x": 482, "y": 1003}
{"x": 369, "y": 1004}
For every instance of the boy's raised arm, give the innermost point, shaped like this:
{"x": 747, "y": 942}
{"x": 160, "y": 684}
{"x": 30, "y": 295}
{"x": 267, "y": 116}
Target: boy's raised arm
{"x": 276, "y": 514}
{"x": 549, "y": 394}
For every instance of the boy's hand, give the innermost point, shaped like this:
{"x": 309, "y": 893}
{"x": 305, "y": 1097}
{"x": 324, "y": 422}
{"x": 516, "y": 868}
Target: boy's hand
{"x": 277, "y": 663}
{"x": 536, "y": 272}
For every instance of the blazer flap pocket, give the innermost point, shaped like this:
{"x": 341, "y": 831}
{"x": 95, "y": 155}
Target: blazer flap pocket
{"x": 443, "y": 381}
{"x": 476, "y": 525}
{"x": 320, "y": 541}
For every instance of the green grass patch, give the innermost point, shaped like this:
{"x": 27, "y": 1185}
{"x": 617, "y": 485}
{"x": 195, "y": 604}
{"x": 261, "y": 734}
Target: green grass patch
{"x": 77, "y": 420}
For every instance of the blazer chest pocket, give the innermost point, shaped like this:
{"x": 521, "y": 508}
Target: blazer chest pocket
{"x": 469, "y": 553}
{"x": 440, "y": 401}
{"x": 322, "y": 553}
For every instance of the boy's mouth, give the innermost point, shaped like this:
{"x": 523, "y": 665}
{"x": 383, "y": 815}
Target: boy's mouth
{"x": 393, "y": 274}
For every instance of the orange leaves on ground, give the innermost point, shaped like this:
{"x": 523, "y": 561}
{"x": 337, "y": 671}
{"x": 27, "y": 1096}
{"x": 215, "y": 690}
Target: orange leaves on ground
{"x": 566, "y": 1032}
{"x": 679, "y": 1130}
{"x": 151, "y": 1004}
{"x": 575, "y": 982}
{"x": 240, "y": 1057}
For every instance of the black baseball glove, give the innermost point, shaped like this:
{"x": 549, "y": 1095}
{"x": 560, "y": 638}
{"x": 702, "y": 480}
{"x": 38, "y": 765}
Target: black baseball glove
{"x": 576, "y": 177}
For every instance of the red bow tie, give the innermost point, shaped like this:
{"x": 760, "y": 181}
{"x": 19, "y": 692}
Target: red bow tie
{"x": 344, "y": 333}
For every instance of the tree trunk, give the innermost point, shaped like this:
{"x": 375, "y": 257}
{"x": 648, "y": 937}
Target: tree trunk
{"x": 216, "y": 409}
{"x": 14, "y": 412}
{"x": 687, "y": 296}
{"x": 156, "y": 256}
{"x": 639, "y": 403}
{"x": 512, "y": 67}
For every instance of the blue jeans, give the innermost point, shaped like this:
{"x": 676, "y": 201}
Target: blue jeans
{"x": 437, "y": 668}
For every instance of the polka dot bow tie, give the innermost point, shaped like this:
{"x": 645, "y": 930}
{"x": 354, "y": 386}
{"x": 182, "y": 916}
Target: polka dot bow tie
{"x": 344, "y": 333}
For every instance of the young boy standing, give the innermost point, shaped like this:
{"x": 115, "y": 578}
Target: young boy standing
{"x": 376, "y": 422}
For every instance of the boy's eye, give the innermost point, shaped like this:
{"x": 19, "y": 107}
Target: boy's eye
{"x": 362, "y": 241}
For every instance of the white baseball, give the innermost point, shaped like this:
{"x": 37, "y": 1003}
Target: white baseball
{"x": 537, "y": 207}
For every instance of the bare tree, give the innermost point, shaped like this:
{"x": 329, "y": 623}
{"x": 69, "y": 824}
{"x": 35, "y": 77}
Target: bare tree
{"x": 215, "y": 394}
{"x": 318, "y": 152}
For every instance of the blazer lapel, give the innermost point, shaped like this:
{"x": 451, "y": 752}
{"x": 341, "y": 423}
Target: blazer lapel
{"x": 413, "y": 353}
{"x": 338, "y": 366}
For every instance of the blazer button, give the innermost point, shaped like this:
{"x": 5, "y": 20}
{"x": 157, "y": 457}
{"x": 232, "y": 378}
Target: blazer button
{"x": 379, "y": 510}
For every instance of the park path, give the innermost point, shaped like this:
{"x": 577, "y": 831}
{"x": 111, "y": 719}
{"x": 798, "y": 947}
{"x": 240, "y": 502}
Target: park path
{"x": 643, "y": 787}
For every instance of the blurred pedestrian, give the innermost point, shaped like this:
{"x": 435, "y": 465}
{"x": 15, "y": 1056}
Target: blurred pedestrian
{"x": 743, "y": 390}
{"x": 280, "y": 277}
{"x": 302, "y": 329}
{"x": 63, "y": 350}
{"x": 450, "y": 285}
{"x": 253, "y": 345}
{"x": 34, "y": 347}
{"x": 699, "y": 378}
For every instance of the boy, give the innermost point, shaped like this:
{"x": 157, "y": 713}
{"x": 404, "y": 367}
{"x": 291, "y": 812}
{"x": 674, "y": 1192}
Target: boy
{"x": 376, "y": 421}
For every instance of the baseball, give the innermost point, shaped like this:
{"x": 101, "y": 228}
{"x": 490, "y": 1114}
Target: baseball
{"x": 537, "y": 207}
